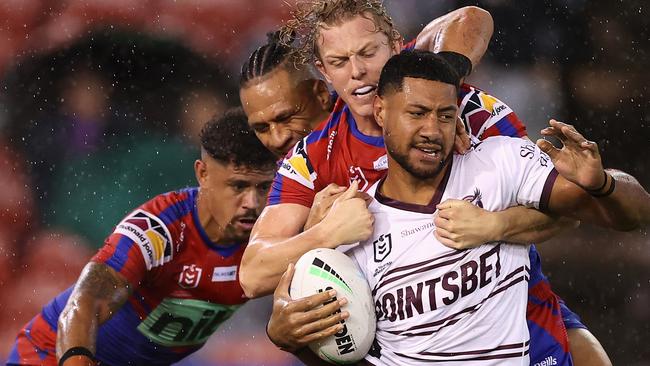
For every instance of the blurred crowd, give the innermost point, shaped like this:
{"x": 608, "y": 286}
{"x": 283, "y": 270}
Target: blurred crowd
{"x": 102, "y": 101}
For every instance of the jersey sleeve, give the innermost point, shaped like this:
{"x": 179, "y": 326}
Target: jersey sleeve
{"x": 529, "y": 170}
{"x": 139, "y": 243}
{"x": 295, "y": 179}
{"x": 486, "y": 116}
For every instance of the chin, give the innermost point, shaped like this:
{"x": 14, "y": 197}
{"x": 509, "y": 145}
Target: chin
{"x": 362, "y": 110}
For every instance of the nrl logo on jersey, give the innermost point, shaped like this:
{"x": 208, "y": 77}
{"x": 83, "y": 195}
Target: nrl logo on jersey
{"x": 297, "y": 166}
{"x": 190, "y": 276}
{"x": 382, "y": 247}
{"x": 151, "y": 235}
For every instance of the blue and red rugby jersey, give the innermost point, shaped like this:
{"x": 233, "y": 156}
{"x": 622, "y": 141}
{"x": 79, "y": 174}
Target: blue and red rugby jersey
{"x": 184, "y": 287}
{"x": 337, "y": 152}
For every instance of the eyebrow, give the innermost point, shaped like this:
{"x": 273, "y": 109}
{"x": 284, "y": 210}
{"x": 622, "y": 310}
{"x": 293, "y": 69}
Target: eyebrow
{"x": 449, "y": 108}
{"x": 363, "y": 48}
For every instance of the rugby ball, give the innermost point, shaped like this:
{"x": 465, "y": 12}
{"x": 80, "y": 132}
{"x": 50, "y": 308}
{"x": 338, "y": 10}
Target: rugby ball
{"x": 320, "y": 270}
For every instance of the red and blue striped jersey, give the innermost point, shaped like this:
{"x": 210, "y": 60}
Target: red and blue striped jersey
{"x": 184, "y": 285}
{"x": 337, "y": 152}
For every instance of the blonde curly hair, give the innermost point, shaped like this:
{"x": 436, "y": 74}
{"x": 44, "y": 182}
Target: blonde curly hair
{"x": 310, "y": 16}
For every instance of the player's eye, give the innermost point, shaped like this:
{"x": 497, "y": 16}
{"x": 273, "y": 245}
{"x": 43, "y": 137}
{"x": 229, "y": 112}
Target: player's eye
{"x": 264, "y": 187}
{"x": 417, "y": 114}
{"x": 338, "y": 62}
{"x": 446, "y": 118}
{"x": 261, "y": 128}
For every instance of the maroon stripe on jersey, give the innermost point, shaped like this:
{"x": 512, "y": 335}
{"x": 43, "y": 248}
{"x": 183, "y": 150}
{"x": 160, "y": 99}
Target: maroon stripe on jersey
{"x": 478, "y": 351}
{"x": 511, "y": 274}
{"x": 546, "y": 191}
{"x": 451, "y": 319}
{"x": 479, "y": 358}
{"x": 418, "y": 264}
{"x": 423, "y": 269}
{"x": 501, "y": 289}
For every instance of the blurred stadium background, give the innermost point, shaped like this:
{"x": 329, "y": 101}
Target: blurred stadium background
{"x": 101, "y": 102}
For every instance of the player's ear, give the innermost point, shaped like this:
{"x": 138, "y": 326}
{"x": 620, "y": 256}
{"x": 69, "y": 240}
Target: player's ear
{"x": 321, "y": 68}
{"x": 322, "y": 94}
{"x": 398, "y": 42}
{"x": 200, "y": 172}
{"x": 378, "y": 110}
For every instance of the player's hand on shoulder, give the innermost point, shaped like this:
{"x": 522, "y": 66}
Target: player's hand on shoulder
{"x": 296, "y": 323}
{"x": 462, "y": 141}
{"x": 578, "y": 160}
{"x": 349, "y": 220}
{"x": 461, "y": 225}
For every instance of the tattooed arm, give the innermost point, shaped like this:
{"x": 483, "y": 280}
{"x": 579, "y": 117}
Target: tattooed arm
{"x": 98, "y": 294}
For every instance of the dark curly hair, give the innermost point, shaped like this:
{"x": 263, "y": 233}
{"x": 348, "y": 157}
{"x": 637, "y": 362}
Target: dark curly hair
{"x": 309, "y": 16}
{"x": 229, "y": 139}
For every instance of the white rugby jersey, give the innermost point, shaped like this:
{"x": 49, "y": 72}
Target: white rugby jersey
{"x": 437, "y": 304}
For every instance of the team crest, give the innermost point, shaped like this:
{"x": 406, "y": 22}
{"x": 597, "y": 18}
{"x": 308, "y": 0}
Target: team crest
{"x": 475, "y": 198}
{"x": 150, "y": 234}
{"x": 382, "y": 247}
{"x": 190, "y": 276}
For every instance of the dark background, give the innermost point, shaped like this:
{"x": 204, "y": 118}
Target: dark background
{"x": 101, "y": 101}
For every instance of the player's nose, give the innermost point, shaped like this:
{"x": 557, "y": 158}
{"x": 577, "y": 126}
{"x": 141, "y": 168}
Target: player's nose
{"x": 358, "y": 68}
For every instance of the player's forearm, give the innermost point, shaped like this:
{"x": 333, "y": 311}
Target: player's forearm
{"x": 77, "y": 326}
{"x": 628, "y": 207}
{"x": 98, "y": 294}
{"x": 524, "y": 225}
{"x": 466, "y": 31}
{"x": 266, "y": 259}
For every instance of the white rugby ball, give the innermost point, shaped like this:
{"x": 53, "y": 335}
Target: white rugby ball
{"x": 320, "y": 270}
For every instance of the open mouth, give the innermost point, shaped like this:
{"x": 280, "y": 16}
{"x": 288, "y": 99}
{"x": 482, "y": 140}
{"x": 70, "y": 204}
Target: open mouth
{"x": 429, "y": 151}
{"x": 364, "y": 90}
{"x": 246, "y": 222}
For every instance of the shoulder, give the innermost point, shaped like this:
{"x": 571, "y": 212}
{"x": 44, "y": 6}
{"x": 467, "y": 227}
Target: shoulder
{"x": 154, "y": 225}
{"x": 473, "y": 100}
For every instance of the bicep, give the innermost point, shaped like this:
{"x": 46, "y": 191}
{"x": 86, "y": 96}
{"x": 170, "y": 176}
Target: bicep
{"x": 101, "y": 287}
{"x": 567, "y": 199}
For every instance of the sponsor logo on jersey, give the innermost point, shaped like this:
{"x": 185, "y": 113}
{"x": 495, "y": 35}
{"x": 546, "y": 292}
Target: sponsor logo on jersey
{"x": 381, "y": 163}
{"x": 224, "y": 274}
{"x": 190, "y": 276}
{"x": 408, "y": 232}
{"x": 150, "y": 234}
{"x": 297, "y": 166}
{"x": 184, "y": 322}
{"x": 330, "y": 144}
{"x": 382, "y": 247}
{"x": 528, "y": 151}
{"x": 461, "y": 280}
{"x": 548, "y": 361}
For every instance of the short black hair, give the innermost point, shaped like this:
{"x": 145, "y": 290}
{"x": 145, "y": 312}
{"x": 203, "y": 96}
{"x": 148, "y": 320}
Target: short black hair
{"x": 265, "y": 58}
{"x": 415, "y": 64}
{"x": 228, "y": 139}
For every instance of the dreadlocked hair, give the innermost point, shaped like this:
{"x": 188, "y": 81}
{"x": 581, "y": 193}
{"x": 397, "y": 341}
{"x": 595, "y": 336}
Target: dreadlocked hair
{"x": 266, "y": 58}
{"x": 309, "y": 16}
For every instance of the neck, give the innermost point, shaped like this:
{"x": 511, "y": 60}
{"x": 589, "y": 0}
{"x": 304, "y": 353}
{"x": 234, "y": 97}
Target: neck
{"x": 402, "y": 186}
{"x": 367, "y": 125}
{"x": 207, "y": 221}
